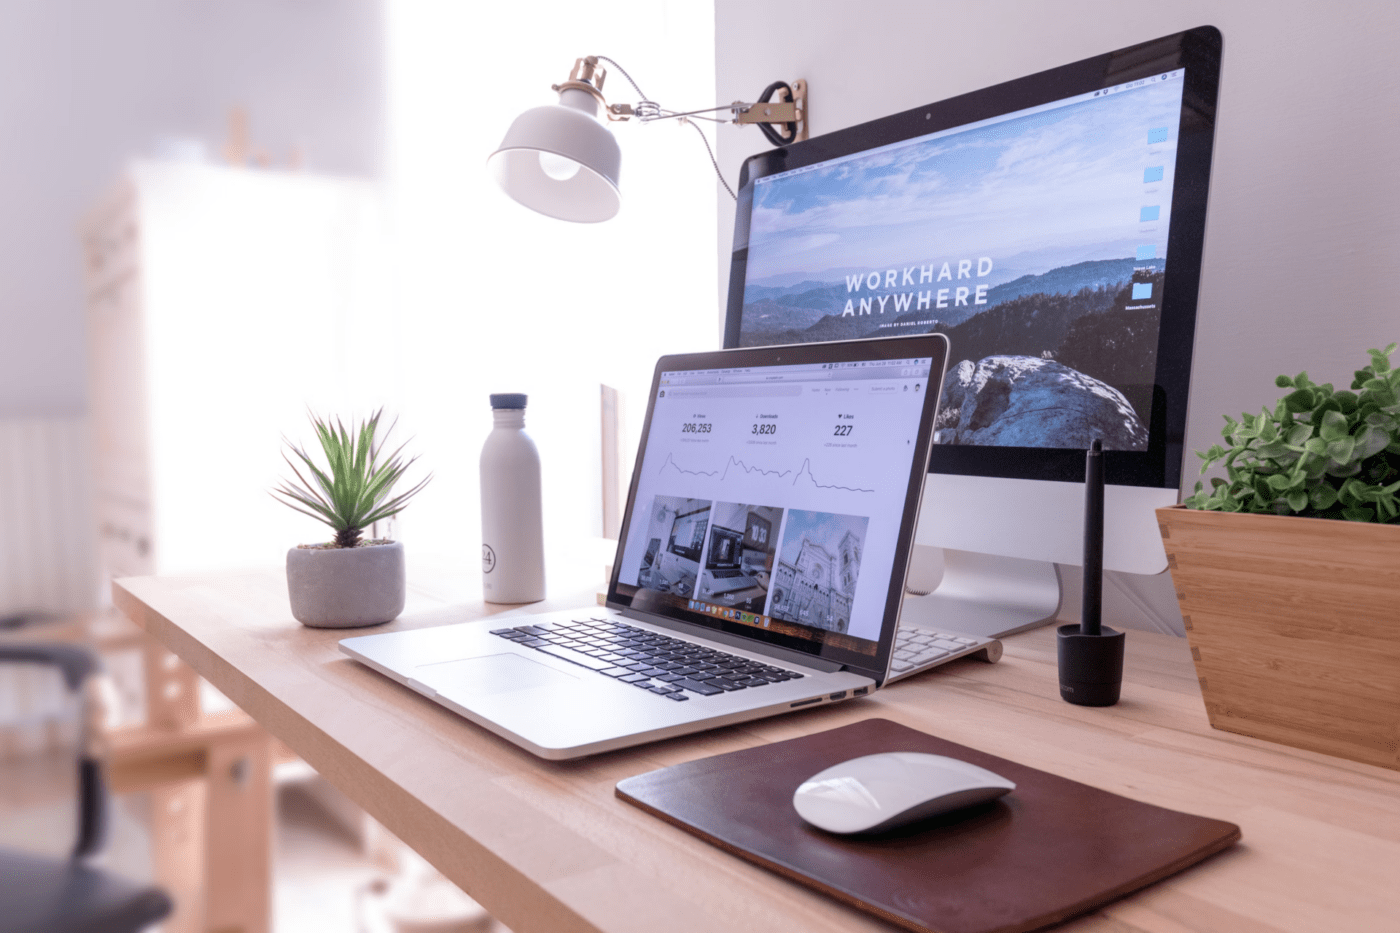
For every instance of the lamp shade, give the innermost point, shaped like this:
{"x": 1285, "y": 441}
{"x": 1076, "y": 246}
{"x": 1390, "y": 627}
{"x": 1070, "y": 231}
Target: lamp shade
{"x": 561, "y": 161}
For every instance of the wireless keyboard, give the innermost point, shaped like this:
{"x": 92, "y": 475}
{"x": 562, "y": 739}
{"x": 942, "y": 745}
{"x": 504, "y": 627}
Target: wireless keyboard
{"x": 918, "y": 649}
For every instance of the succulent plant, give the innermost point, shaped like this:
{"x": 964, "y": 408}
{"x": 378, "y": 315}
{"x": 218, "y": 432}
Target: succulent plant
{"x": 353, "y": 492}
{"x": 1320, "y": 452}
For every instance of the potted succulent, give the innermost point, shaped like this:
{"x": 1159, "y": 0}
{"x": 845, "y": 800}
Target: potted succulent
{"x": 1288, "y": 568}
{"x": 349, "y": 581}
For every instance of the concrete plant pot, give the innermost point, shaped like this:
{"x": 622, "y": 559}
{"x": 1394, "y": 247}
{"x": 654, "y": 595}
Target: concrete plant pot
{"x": 346, "y": 587}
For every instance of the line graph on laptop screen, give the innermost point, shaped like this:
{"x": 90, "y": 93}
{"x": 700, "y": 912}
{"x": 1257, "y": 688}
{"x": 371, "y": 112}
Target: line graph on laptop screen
{"x": 772, "y": 496}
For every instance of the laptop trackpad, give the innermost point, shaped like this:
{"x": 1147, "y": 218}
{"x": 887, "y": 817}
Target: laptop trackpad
{"x": 495, "y": 673}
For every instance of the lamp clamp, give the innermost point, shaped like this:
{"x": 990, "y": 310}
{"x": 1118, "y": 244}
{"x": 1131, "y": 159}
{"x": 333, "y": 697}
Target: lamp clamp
{"x": 792, "y": 111}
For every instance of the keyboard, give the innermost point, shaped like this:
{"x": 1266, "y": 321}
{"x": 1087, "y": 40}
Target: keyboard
{"x": 669, "y": 667}
{"x": 918, "y": 649}
{"x": 726, "y": 574}
{"x": 675, "y": 668}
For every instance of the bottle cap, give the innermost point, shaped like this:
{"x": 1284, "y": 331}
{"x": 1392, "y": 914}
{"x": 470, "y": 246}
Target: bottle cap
{"x": 508, "y": 400}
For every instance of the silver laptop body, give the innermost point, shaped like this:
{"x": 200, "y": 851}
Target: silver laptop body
{"x": 802, "y": 464}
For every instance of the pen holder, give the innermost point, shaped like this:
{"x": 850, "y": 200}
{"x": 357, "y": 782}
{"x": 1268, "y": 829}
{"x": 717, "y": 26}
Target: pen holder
{"x": 1091, "y": 666}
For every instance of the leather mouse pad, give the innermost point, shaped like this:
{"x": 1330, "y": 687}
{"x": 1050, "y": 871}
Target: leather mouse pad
{"x": 1050, "y": 850}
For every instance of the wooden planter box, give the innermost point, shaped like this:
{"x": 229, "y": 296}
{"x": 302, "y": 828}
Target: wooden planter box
{"x": 1294, "y": 625}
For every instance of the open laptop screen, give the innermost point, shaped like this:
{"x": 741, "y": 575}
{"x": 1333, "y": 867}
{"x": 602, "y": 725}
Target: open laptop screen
{"x": 775, "y": 494}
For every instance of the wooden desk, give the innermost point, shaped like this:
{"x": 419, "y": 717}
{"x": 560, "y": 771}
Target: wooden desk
{"x": 547, "y": 847}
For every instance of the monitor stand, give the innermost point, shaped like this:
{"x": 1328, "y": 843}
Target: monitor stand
{"x": 979, "y": 594}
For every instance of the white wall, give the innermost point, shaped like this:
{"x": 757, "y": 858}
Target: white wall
{"x": 1302, "y": 222}
{"x": 47, "y": 551}
{"x": 492, "y": 297}
{"x": 86, "y": 85}
{"x": 497, "y": 298}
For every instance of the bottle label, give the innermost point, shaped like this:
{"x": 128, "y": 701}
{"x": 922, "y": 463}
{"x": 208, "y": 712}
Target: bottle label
{"x": 488, "y": 559}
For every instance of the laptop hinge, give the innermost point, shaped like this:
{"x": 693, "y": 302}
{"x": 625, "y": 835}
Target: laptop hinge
{"x": 738, "y": 641}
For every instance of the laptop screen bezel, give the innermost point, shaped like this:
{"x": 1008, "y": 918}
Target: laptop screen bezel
{"x": 932, "y": 346}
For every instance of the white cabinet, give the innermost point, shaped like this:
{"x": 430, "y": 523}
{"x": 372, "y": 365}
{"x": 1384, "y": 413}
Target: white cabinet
{"x": 223, "y": 304}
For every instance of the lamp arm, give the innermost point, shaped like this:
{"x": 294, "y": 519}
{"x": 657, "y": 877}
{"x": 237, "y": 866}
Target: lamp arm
{"x": 792, "y": 111}
{"x": 642, "y": 112}
{"x": 789, "y": 112}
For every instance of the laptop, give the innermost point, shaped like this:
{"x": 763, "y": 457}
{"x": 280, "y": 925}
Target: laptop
{"x": 724, "y": 568}
{"x": 760, "y": 567}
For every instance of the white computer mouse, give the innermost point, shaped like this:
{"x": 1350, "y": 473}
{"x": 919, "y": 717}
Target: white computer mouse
{"x": 876, "y": 793}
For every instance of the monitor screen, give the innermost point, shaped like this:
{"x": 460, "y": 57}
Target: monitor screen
{"x": 1051, "y": 227}
{"x": 725, "y": 544}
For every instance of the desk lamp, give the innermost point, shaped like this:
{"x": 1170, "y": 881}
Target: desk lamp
{"x": 562, "y": 160}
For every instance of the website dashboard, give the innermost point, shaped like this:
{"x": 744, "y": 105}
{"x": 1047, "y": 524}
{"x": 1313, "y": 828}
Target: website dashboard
{"x": 772, "y": 496}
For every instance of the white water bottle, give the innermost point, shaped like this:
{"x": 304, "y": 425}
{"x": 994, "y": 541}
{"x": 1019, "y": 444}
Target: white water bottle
{"x": 512, "y": 519}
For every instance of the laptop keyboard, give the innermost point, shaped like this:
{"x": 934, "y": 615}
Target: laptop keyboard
{"x": 670, "y": 667}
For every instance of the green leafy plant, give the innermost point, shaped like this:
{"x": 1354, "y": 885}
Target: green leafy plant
{"x": 1320, "y": 452}
{"x": 353, "y": 492}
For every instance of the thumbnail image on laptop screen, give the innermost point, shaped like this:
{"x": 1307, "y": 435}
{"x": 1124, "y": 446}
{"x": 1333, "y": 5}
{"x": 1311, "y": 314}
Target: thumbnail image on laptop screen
{"x": 771, "y": 497}
{"x": 1036, "y": 241}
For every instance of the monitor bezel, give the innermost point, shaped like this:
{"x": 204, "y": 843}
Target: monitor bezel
{"x": 1198, "y": 53}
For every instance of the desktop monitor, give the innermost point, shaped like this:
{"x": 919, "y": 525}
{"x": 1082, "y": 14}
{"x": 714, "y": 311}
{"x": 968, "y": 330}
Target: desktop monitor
{"x": 688, "y": 533}
{"x": 726, "y": 546}
{"x": 1052, "y": 228}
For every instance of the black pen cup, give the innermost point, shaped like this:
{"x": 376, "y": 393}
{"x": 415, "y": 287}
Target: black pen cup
{"x": 1091, "y": 666}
